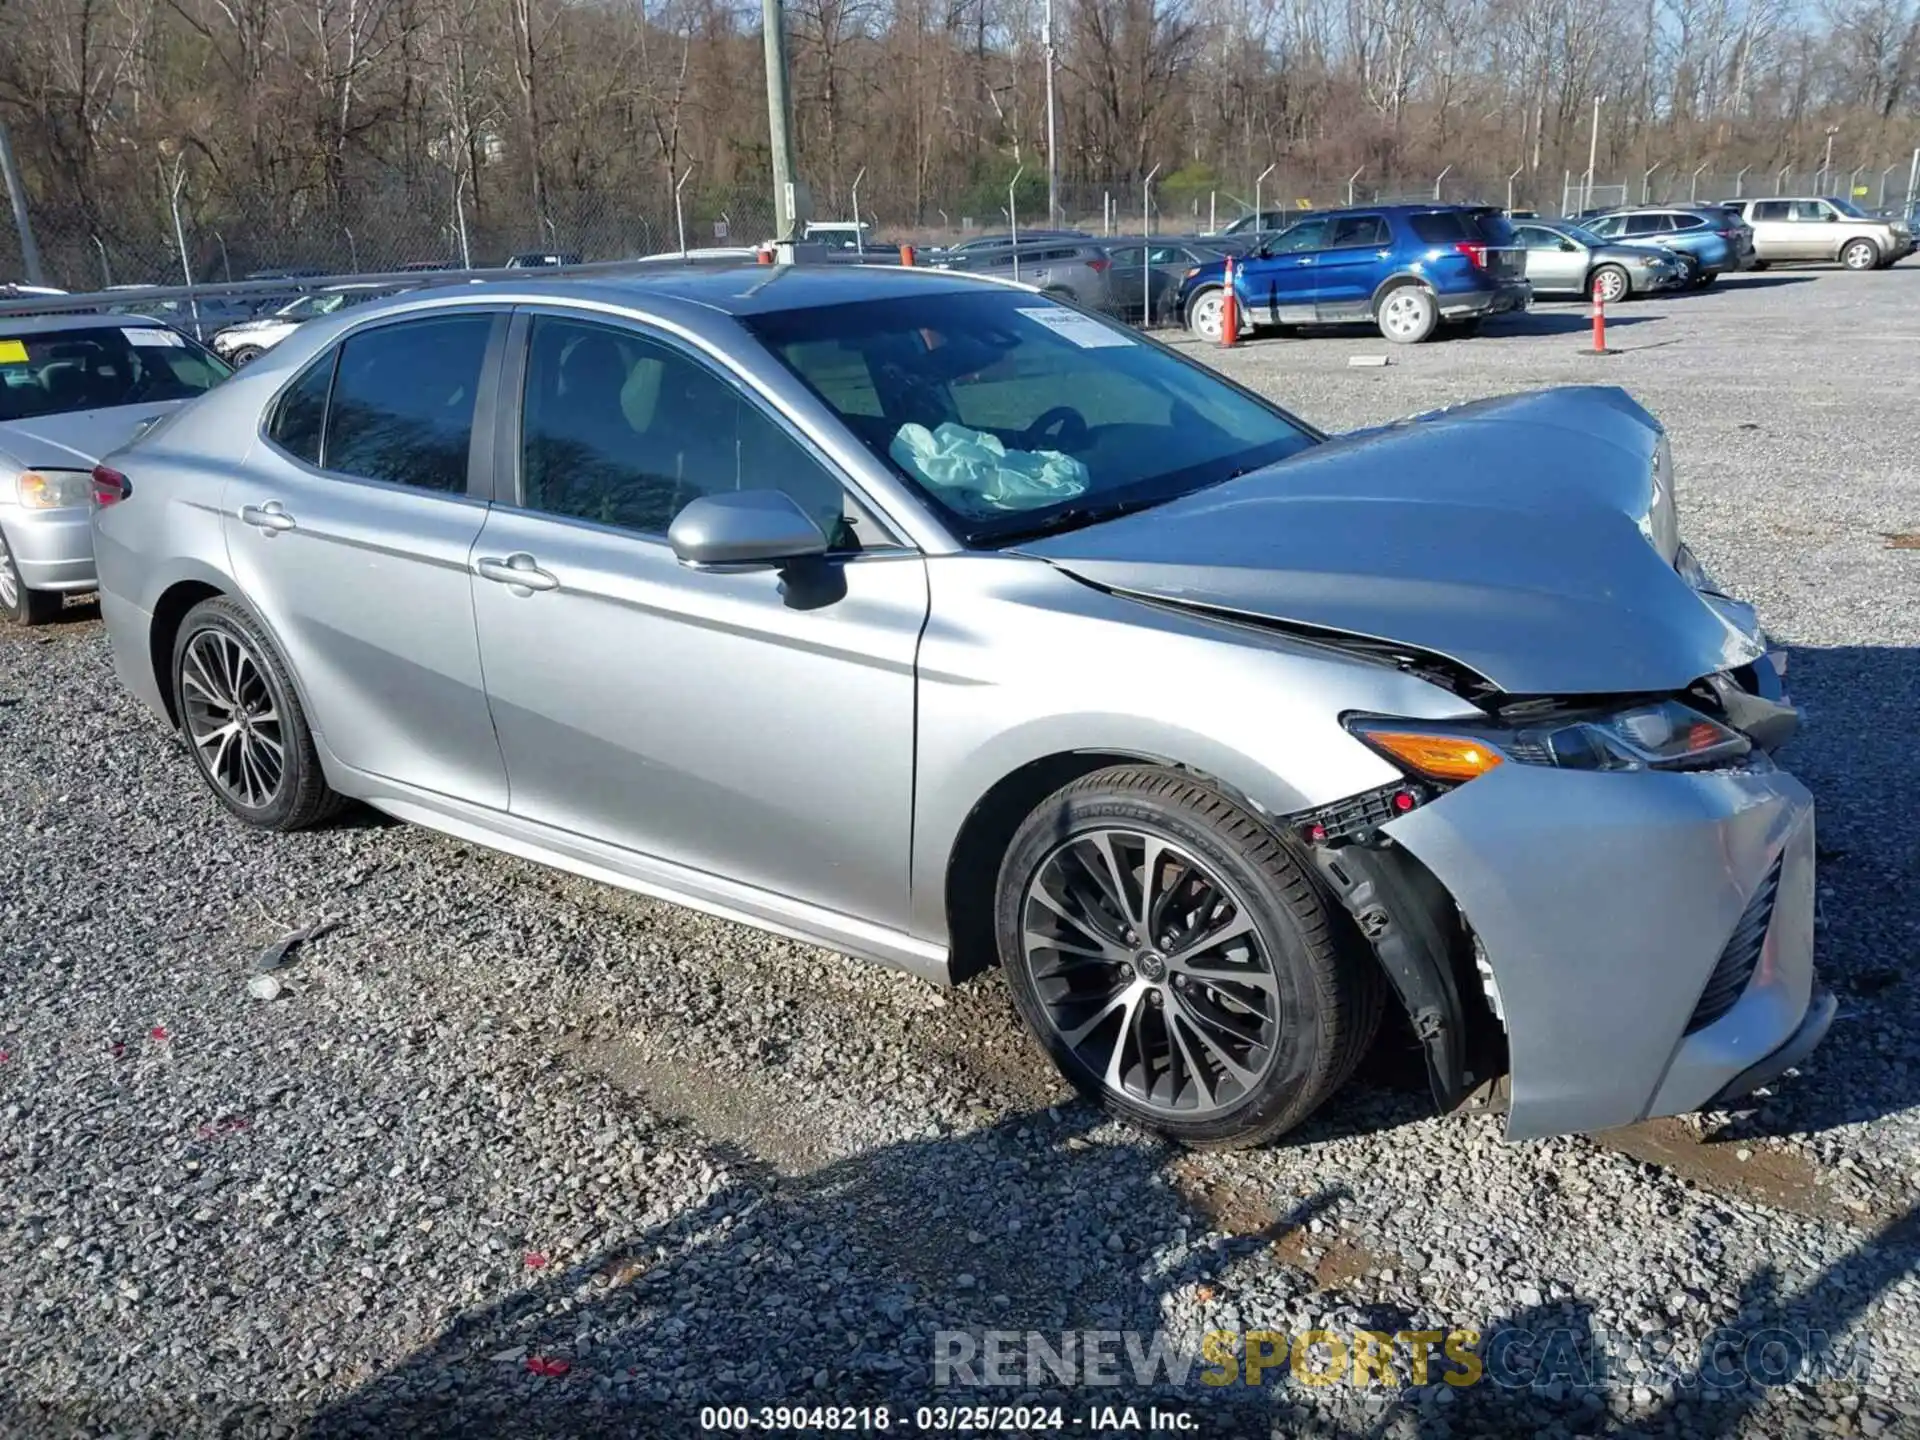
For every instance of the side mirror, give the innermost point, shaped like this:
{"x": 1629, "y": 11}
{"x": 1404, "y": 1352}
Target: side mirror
{"x": 1569, "y": 246}
{"x": 746, "y": 528}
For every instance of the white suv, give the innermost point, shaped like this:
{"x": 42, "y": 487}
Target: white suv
{"x": 1792, "y": 228}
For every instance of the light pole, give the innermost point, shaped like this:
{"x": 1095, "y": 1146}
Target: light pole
{"x": 1593, "y": 155}
{"x": 1438, "y": 178}
{"x": 1693, "y": 190}
{"x": 1646, "y": 182}
{"x": 1826, "y": 165}
{"x": 1053, "y": 165}
{"x": 1258, "y": 181}
{"x": 773, "y": 24}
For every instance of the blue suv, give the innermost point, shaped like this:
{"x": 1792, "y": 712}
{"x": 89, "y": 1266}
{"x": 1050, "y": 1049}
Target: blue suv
{"x": 1408, "y": 269}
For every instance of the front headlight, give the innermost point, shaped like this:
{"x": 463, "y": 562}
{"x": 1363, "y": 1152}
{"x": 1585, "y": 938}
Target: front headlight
{"x": 1665, "y": 735}
{"x": 53, "y": 489}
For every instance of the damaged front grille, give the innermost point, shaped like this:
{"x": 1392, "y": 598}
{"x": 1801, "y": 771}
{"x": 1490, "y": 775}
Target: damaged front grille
{"x": 1740, "y": 958}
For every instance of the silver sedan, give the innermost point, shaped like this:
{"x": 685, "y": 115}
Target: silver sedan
{"x": 923, "y": 617}
{"x": 1565, "y": 259}
{"x": 73, "y": 387}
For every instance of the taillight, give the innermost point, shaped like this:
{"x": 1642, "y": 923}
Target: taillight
{"x": 110, "y": 487}
{"x": 1476, "y": 253}
{"x": 1724, "y": 234}
{"x": 1099, "y": 267}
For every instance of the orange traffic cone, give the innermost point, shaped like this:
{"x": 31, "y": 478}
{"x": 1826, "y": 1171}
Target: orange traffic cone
{"x": 1229, "y": 312}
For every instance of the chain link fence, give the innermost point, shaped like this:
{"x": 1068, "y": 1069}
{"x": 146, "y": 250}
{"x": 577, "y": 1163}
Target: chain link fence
{"x": 182, "y": 230}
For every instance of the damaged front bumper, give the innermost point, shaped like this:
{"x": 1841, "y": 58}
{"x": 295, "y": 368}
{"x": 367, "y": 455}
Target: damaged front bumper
{"x": 1650, "y": 934}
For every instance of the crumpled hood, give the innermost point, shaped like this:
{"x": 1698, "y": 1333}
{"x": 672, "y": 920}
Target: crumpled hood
{"x": 76, "y": 440}
{"x": 1506, "y": 535}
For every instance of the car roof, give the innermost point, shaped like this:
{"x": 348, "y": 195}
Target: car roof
{"x": 728, "y": 289}
{"x": 13, "y": 327}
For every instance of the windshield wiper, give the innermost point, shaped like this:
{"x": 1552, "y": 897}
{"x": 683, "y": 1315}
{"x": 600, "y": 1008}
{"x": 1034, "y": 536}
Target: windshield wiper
{"x": 1069, "y": 517}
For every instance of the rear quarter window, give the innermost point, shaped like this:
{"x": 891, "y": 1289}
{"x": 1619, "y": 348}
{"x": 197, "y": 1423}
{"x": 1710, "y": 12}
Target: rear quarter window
{"x": 1441, "y": 227}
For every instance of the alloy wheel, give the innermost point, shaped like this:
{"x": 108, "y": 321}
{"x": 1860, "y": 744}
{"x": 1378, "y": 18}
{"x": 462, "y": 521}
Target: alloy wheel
{"x": 9, "y": 587}
{"x": 231, "y": 718}
{"x": 1151, "y": 972}
{"x": 1609, "y": 286}
{"x": 1859, "y": 256}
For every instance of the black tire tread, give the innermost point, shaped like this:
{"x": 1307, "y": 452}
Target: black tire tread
{"x": 1351, "y": 995}
{"x": 314, "y": 800}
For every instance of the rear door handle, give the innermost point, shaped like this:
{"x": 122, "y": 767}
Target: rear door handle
{"x": 520, "y": 571}
{"x": 271, "y": 517}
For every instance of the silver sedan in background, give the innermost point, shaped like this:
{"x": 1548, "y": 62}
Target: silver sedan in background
{"x": 73, "y": 387}
{"x": 1565, "y": 259}
{"x": 921, "y": 616}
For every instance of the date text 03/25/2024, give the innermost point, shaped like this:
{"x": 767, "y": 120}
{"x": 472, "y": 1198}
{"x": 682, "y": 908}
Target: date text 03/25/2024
{"x": 949, "y": 1419}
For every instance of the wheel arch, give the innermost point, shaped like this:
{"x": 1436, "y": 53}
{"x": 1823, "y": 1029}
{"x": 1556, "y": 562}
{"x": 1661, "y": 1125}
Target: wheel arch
{"x": 169, "y": 613}
{"x": 1399, "y": 281}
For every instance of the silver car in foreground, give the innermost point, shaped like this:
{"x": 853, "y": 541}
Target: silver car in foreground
{"x": 924, "y": 617}
{"x": 73, "y": 387}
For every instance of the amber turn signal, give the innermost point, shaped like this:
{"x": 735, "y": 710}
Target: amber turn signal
{"x": 1439, "y": 757}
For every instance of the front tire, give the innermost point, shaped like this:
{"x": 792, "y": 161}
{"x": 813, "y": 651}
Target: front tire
{"x": 1409, "y": 315}
{"x": 1206, "y": 316}
{"x": 19, "y": 604}
{"x": 245, "y": 354}
{"x": 244, "y": 722}
{"x": 1176, "y": 963}
{"x": 1610, "y": 283}
{"x": 1860, "y": 255}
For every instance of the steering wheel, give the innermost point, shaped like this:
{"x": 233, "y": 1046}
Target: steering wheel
{"x": 1069, "y": 422}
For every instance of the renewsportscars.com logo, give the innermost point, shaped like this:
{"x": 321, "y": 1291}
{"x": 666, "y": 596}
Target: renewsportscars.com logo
{"x": 1511, "y": 1357}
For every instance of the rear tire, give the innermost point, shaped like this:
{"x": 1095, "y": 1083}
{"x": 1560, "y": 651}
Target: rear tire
{"x": 1211, "y": 1042}
{"x": 1408, "y": 314}
{"x": 245, "y": 354}
{"x": 1704, "y": 279}
{"x": 1760, "y": 265}
{"x": 244, "y": 722}
{"x": 1860, "y": 255}
{"x": 19, "y": 604}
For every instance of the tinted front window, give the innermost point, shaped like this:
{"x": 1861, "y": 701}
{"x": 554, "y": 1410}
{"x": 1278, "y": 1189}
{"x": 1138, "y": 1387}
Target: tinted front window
{"x": 621, "y": 430}
{"x": 1307, "y": 235}
{"x": 403, "y": 398}
{"x": 54, "y": 372}
{"x": 1359, "y": 231}
{"x": 1007, "y": 411}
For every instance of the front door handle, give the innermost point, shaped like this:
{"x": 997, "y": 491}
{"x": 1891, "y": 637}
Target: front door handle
{"x": 271, "y": 517}
{"x": 520, "y": 571}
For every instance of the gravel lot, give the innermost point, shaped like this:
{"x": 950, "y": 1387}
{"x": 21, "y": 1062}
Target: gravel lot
{"x": 513, "y": 1153}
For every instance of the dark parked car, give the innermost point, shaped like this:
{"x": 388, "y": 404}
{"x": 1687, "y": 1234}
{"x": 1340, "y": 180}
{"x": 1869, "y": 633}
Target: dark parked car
{"x": 1001, "y": 239}
{"x": 1076, "y": 270}
{"x": 542, "y": 259}
{"x": 1146, "y": 274}
{"x": 1408, "y": 269}
{"x": 1258, "y": 222}
{"x": 1709, "y": 233}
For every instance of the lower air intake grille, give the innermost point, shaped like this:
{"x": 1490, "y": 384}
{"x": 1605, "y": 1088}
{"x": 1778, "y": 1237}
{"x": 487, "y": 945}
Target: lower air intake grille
{"x": 1741, "y": 957}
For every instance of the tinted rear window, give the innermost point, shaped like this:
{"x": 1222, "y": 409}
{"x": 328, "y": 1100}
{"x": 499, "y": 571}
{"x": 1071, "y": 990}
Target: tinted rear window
{"x": 1441, "y": 227}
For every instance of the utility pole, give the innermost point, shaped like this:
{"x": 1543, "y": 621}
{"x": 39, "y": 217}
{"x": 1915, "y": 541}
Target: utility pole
{"x": 17, "y": 193}
{"x": 787, "y": 199}
{"x": 1826, "y": 165}
{"x": 1053, "y": 165}
{"x": 1593, "y": 154}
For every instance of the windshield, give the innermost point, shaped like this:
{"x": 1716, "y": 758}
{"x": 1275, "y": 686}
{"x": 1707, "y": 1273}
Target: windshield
{"x": 1014, "y": 415}
{"x": 55, "y": 372}
{"x": 1847, "y": 207}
